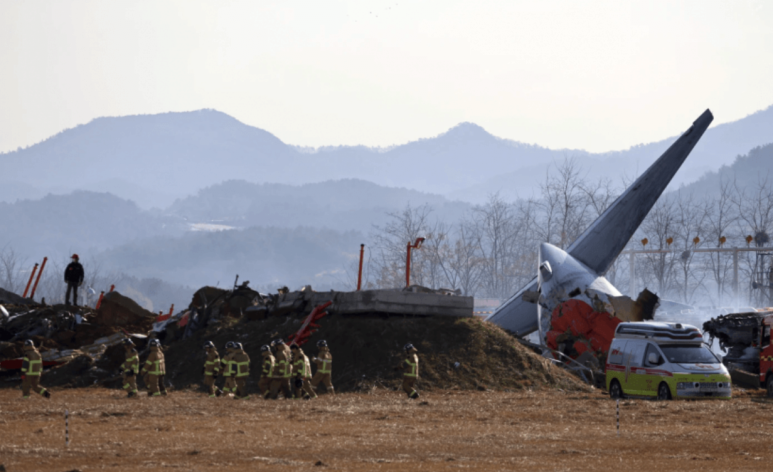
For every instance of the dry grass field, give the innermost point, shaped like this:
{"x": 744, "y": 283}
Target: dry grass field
{"x": 383, "y": 431}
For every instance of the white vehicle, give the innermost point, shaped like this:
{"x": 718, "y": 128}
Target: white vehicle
{"x": 664, "y": 360}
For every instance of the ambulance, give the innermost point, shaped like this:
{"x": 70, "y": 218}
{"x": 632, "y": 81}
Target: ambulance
{"x": 664, "y": 361}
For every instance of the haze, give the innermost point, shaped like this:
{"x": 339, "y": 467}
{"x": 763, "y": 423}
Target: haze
{"x": 597, "y": 76}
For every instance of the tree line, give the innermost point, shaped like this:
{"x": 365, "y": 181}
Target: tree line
{"x": 492, "y": 251}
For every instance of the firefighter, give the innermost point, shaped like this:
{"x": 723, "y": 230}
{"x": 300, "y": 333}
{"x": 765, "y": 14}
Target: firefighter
{"x": 73, "y": 277}
{"x": 155, "y": 368}
{"x": 31, "y": 369}
{"x": 280, "y": 377}
{"x": 229, "y": 386}
{"x": 130, "y": 368}
{"x": 410, "y": 368}
{"x": 241, "y": 371}
{"x": 324, "y": 362}
{"x": 264, "y": 385}
{"x": 301, "y": 374}
{"x": 211, "y": 369}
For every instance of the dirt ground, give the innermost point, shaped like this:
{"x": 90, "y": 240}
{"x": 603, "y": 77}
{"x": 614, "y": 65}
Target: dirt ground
{"x": 384, "y": 431}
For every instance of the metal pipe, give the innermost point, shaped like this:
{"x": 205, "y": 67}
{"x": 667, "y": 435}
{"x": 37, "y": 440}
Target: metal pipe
{"x": 29, "y": 282}
{"x": 359, "y": 273}
{"x": 99, "y": 302}
{"x": 34, "y": 287}
{"x": 735, "y": 276}
{"x": 408, "y": 267}
{"x": 171, "y": 309}
{"x": 112, "y": 287}
{"x": 415, "y": 245}
{"x": 633, "y": 274}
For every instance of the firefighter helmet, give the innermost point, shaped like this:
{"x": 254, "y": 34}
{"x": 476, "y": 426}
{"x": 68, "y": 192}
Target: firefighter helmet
{"x": 209, "y": 345}
{"x": 321, "y": 343}
{"x": 408, "y": 347}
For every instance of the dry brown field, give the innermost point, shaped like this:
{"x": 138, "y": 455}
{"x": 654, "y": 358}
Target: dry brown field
{"x": 383, "y": 431}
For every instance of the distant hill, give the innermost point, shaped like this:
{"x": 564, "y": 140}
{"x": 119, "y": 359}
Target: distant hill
{"x": 154, "y": 159}
{"x": 347, "y": 204}
{"x": 746, "y": 170}
{"x": 79, "y": 222}
{"x": 718, "y": 147}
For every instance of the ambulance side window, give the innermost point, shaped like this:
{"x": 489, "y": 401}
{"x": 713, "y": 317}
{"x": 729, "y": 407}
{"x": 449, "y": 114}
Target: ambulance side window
{"x": 637, "y": 354}
{"x": 651, "y": 349}
{"x": 616, "y": 353}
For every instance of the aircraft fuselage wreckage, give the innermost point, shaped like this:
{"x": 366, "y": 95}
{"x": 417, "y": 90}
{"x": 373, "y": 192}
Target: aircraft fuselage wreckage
{"x": 570, "y": 300}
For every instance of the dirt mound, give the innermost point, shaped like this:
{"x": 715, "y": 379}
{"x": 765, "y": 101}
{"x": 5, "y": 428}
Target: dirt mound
{"x": 464, "y": 353}
{"x": 118, "y": 310}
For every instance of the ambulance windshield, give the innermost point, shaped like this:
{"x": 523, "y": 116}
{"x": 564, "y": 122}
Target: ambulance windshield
{"x": 689, "y": 354}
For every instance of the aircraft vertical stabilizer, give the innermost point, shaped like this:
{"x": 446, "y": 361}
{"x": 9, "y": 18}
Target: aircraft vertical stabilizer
{"x": 599, "y": 245}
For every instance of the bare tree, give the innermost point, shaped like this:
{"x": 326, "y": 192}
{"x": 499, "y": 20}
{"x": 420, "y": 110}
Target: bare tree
{"x": 390, "y": 246}
{"x": 11, "y": 271}
{"x": 755, "y": 214}
{"x": 659, "y": 226}
{"x": 720, "y": 221}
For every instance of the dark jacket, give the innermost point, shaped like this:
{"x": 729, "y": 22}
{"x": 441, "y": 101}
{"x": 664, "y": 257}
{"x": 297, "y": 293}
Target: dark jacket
{"x": 73, "y": 274}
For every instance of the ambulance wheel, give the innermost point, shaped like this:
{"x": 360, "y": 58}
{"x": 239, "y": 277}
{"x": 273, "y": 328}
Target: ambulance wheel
{"x": 769, "y": 377}
{"x": 664, "y": 393}
{"x": 615, "y": 391}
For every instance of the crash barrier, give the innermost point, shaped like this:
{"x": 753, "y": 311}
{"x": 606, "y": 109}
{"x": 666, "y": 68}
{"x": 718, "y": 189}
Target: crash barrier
{"x": 66, "y": 428}
{"x": 617, "y": 407}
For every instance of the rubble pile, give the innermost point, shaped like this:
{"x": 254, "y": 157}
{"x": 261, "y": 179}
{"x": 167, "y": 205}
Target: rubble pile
{"x": 65, "y": 333}
{"x": 456, "y": 351}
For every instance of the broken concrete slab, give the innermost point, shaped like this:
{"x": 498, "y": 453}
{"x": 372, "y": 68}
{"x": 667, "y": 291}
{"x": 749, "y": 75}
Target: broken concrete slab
{"x": 393, "y": 302}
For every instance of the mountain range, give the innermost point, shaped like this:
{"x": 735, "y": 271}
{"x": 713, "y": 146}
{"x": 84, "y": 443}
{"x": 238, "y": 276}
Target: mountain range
{"x": 154, "y": 160}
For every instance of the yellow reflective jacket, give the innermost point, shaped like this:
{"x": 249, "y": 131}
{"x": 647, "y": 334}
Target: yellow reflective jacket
{"x": 32, "y": 364}
{"x": 324, "y": 361}
{"x": 241, "y": 362}
{"x": 154, "y": 365}
{"x": 212, "y": 364}
{"x": 268, "y": 365}
{"x": 132, "y": 361}
{"x": 283, "y": 367}
{"x": 411, "y": 366}
{"x": 301, "y": 365}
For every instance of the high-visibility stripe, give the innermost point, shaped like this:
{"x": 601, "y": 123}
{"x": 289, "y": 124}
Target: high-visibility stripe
{"x": 240, "y": 372}
{"x": 156, "y": 367}
{"x": 413, "y": 365}
{"x": 327, "y": 366}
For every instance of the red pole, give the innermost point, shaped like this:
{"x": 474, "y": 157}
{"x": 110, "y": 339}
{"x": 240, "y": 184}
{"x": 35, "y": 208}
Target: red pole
{"x": 359, "y": 274}
{"x": 171, "y": 309}
{"x": 29, "y": 282}
{"x": 99, "y": 302}
{"x": 408, "y": 266}
{"x": 112, "y": 287}
{"x": 34, "y": 287}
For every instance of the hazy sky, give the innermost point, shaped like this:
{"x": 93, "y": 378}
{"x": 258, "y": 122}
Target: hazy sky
{"x": 596, "y": 75}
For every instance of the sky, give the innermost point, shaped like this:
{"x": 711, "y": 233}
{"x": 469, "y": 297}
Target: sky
{"x": 594, "y": 75}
